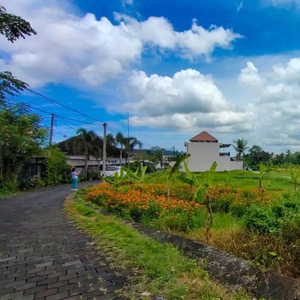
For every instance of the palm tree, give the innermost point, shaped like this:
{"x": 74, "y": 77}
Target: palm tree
{"x": 110, "y": 140}
{"x": 122, "y": 142}
{"x": 132, "y": 142}
{"x": 87, "y": 143}
{"x": 240, "y": 147}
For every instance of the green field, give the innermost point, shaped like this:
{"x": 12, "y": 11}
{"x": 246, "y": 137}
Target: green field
{"x": 273, "y": 181}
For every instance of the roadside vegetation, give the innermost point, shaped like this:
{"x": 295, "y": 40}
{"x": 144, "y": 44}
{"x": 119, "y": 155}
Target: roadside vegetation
{"x": 258, "y": 220}
{"x": 160, "y": 270}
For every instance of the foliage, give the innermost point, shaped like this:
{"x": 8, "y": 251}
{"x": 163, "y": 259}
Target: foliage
{"x": 21, "y": 138}
{"x": 56, "y": 165}
{"x": 240, "y": 146}
{"x": 14, "y": 27}
{"x": 122, "y": 142}
{"x": 87, "y": 144}
{"x": 129, "y": 198}
{"x": 295, "y": 173}
{"x": 175, "y": 169}
{"x": 118, "y": 179}
{"x": 157, "y": 155}
{"x": 164, "y": 271}
{"x": 94, "y": 175}
{"x": 31, "y": 183}
{"x": 10, "y": 86}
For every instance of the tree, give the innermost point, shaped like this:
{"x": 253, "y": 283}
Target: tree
{"x": 158, "y": 155}
{"x": 122, "y": 142}
{"x": 21, "y": 139}
{"x": 10, "y": 86}
{"x": 13, "y": 28}
{"x": 110, "y": 140}
{"x": 257, "y": 156}
{"x": 87, "y": 144}
{"x": 240, "y": 147}
{"x": 56, "y": 164}
{"x": 132, "y": 142}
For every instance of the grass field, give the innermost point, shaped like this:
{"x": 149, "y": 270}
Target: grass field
{"x": 273, "y": 181}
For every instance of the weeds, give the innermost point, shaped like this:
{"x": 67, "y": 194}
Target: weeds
{"x": 164, "y": 271}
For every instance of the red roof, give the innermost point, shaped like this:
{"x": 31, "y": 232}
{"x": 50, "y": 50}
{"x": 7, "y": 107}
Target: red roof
{"x": 203, "y": 137}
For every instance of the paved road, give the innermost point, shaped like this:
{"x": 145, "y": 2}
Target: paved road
{"x": 44, "y": 256}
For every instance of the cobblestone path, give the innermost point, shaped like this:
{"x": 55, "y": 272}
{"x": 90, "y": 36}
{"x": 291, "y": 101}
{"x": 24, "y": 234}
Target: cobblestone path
{"x": 44, "y": 256}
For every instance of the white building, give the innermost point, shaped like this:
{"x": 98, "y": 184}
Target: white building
{"x": 205, "y": 150}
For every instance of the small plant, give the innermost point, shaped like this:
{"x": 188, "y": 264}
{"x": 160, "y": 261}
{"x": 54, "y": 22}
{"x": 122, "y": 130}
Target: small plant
{"x": 295, "y": 173}
{"x": 118, "y": 179}
{"x": 202, "y": 195}
{"x": 263, "y": 171}
{"x": 174, "y": 170}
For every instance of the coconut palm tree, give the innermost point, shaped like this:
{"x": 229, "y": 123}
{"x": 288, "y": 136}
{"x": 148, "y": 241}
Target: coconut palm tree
{"x": 111, "y": 141}
{"x": 132, "y": 142}
{"x": 121, "y": 140}
{"x": 87, "y": 143}
{"x": 240, "y": 147}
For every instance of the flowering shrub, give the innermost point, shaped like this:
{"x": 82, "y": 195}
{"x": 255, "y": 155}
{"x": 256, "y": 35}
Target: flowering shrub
{"x": 138, "y": 199}
{"x": 151, "y": 199}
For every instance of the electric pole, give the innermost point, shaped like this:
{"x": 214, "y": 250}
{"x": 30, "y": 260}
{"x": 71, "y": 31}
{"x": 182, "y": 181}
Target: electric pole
{"x": 128, "y": 145}
{"x": 104, "y": 148}
{"x": 51, "y": 130}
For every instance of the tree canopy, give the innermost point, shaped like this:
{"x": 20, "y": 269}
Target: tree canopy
{"x": 22, "y": 137}
{"x": 13, "y": 28}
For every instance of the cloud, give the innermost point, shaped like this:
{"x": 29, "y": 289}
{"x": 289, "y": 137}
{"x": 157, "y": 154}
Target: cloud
{"x": 277, "y": 93}
{"x": 71, "y": 47}
{"x": 250, "y": 77}
{"x": 240, "y": 6}
{"x": 290, "y": 72}
{"x": 128, "y": 2}
{"x": 187, "y": 100}
{"x": 284, "y": 2}
{"x": 190, "y": 44}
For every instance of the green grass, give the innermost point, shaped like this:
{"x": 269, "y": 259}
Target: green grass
{"x": 163, "y": 270}
{"x": 274, "y": 181}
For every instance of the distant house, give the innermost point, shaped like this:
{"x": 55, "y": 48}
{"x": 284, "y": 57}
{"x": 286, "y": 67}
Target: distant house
{"x": 204, "y": 150}
{"x": 77, "y": 160}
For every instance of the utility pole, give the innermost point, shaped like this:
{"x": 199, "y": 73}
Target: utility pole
{"x": 51, "y": 130}
{"x": 128, "y": 145}
{"x": 104, "y": 148}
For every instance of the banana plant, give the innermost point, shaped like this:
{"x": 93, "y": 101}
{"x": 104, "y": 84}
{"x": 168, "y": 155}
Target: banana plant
{"x": 137, "y": 177}
{"x": 295, "y": 173}
{"x": 202, "y": 184}
{"x": 118, "y": 179}
{"x": 175, "y": 170}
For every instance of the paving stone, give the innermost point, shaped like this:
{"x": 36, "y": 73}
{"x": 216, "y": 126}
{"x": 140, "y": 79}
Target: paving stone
{"x": 44, "y": 256}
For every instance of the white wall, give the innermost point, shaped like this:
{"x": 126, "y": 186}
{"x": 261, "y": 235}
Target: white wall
{"x": 203, "y": 155}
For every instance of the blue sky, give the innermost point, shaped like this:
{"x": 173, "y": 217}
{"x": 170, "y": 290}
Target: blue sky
{"x": 235, "y": 73}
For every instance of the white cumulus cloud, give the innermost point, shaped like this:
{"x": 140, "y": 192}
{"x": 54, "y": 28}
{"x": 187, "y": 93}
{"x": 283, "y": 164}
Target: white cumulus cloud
{"x": 69, "y": 46}
{"x": 187, "y": 100}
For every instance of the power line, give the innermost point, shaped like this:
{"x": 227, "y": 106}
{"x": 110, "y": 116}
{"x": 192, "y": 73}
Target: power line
{"x": 63, "y": 105}
{"x": 67, "y": 125}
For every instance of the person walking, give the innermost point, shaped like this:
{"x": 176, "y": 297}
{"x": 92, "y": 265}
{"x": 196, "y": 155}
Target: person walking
{"x": 74, "y": 179}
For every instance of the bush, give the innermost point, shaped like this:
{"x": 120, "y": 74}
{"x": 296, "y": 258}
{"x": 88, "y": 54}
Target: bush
{"x": 94, "y": 175}
{"x": 31, "y": 183}
{"x": 262, "y": 220}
